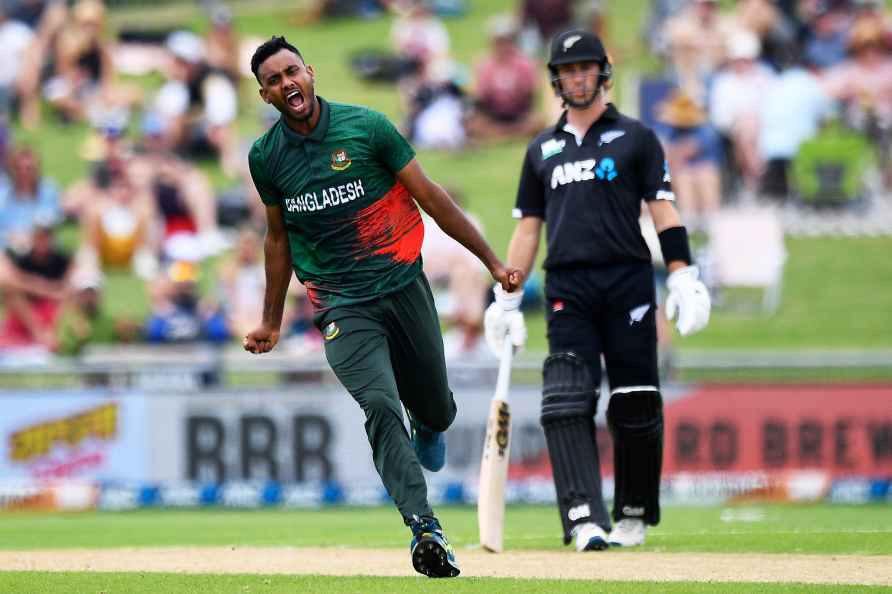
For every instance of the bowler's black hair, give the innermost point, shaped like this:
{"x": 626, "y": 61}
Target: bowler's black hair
{"x": 267, "y": 49}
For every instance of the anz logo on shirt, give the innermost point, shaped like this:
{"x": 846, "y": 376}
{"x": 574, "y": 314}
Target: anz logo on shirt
{"x": 578, "y": 171}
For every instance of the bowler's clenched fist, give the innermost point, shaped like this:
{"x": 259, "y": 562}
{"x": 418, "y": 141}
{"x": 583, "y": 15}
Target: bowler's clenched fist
{"x": 261, "y": 340}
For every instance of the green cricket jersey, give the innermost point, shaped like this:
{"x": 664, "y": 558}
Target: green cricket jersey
{"x": 355, "y": 232}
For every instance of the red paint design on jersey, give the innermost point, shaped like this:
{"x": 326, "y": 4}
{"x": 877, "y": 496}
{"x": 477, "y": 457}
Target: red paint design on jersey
{"x": 557, "y": 306}
{"x": 313, "y": 295}
{"x": 391, "y": 226}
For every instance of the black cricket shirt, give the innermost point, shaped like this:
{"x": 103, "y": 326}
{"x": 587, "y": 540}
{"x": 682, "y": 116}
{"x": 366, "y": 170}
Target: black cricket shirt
{"x": 589, "y": 190}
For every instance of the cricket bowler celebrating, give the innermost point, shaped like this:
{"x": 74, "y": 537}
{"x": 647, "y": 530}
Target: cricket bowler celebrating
{"x": 338, "y": 183}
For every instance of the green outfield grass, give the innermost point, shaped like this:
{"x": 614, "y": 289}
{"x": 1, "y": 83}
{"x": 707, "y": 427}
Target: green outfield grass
{"x": 152, "y": 583}
{"x": 780, "y": 529}
{"x": 824, "y": 529}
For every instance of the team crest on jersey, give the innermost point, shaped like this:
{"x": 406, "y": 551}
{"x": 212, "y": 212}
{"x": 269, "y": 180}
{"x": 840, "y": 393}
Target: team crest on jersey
{"x": 331, "y": 331}
{"x": 339, "y": 160}
{"x": 608, "y": 137}
{"x": 552, "y": 147}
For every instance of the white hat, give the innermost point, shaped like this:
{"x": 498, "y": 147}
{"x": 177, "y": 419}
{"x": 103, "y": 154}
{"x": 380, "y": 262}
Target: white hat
{"x": 743, "y": 45}
{"x": 186, "y": 46}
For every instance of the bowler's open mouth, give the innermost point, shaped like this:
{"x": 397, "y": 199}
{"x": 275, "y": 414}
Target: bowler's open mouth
{"x": 295, "y": 99}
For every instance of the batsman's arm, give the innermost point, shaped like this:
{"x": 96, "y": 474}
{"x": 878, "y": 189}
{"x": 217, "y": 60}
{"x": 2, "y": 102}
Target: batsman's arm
{"x": 440, "y": 206}
{"x": 666, "y": 217}
{"x": 524, "y": 244}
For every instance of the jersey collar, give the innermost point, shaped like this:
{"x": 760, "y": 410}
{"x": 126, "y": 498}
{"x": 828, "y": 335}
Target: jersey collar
{"x": 610, "y": 115}
{"x": 318, "y": 133}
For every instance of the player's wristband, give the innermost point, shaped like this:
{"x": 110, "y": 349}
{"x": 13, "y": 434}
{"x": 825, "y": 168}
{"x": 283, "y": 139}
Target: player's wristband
{"x": 674, "y": 244}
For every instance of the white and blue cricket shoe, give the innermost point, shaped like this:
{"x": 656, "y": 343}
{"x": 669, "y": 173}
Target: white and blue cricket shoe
{"x": 590, "y": 537}
{"x": 432, "y": 555}
{"x": 628, "y": 532}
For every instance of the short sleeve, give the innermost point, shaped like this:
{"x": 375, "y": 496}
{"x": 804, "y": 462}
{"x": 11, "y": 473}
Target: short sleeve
{"x": 656, "y": 181}
{"x": 267, "y": 190}
{"x": 388, "y": 144}
{"x": 530, "y": 192}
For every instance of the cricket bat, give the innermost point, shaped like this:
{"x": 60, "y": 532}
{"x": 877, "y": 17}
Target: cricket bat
{"x": 494, "y": 465}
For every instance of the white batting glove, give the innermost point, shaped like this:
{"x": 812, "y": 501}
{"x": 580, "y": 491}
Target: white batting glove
{"x": 689, "y": 299}
{"x": 503, "y": 318}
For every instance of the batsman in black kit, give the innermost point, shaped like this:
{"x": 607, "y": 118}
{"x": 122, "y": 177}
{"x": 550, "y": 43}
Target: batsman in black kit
{"x": 585, "y": 179}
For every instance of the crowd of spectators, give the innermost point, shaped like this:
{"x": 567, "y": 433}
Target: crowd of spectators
{"x": 145, "y": 209}
{"x": 749, "y": 98}
{"x": 764, "y": 85}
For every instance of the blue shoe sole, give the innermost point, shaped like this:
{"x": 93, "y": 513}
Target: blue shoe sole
{"x": 431, "y": 559}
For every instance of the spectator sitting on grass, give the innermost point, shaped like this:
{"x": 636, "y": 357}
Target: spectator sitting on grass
{"x": 198, "y": 104}
{"x": 83, "y": 68}
{"x": 436, "y": 109}
{"x": 863, "y": 82}
{"x": 504, "y": 88}
{"x": 34, "y": 282}
{"x": 181, "y": 193}
{"x": 25, "y": 195}
{"x": 178, "y": 312}
{"x": 118, "y": 224}
{"x": 734, "y": 100}
{"x": 783, "y": 130}
{"x": 694, "y": 154}
{"x": 106, "y": 146}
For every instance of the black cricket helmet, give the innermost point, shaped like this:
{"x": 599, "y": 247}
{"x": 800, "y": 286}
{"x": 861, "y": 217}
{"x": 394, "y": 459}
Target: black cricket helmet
{"x": 575, "y": 46}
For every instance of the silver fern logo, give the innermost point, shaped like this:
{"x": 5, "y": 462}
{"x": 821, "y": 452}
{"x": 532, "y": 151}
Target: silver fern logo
{"x": 637, "y": 314}
{"x": 609, "y": 137}
{"x": 571, "y": 41}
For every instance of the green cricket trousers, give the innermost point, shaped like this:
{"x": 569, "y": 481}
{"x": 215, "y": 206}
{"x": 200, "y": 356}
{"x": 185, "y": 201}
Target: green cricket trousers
{"x": 386, "y": 352}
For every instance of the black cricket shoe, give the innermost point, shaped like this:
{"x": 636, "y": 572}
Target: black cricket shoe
{"x": 432, "y": 555}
